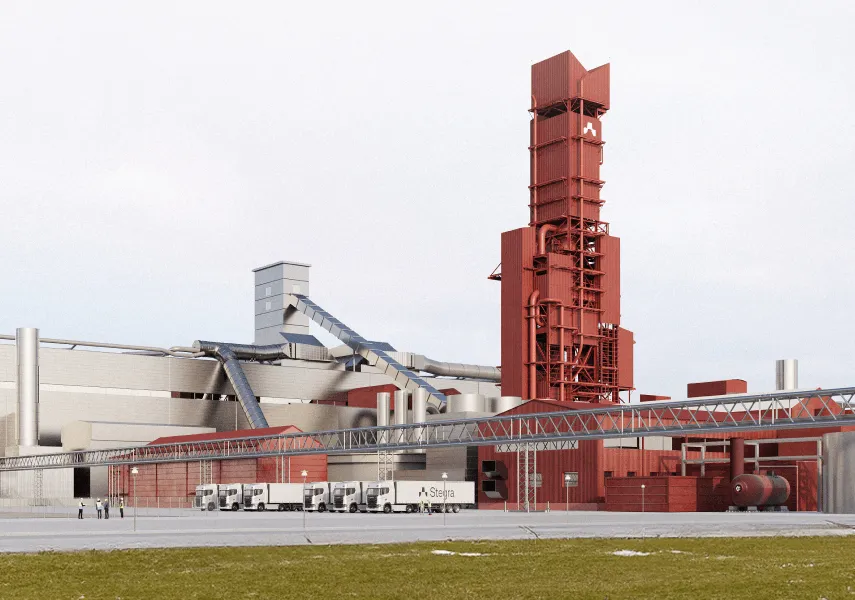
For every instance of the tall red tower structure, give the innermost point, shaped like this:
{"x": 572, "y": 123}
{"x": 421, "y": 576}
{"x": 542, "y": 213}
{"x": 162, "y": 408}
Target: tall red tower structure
{"x": 561, "y": 334}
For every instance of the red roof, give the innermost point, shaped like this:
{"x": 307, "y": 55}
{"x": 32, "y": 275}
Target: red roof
{"x": 225, "y": 435}
{"x": 539, "y": 406}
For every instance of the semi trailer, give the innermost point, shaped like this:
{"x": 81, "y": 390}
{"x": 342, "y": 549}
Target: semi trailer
{"x": 273, "y": 496}
{"x": 407, "y": 496}
{"x": 317, "y": 496}
{"x": 231, "y": 496}
{"x": 206, "y": 496}
{"x": 349, "y": 496}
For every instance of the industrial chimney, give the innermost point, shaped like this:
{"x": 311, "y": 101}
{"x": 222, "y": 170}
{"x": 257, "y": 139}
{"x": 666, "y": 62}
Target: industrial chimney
{"x": 786, "y": 374}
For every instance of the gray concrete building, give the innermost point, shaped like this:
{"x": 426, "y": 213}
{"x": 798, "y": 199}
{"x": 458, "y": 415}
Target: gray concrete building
{"x": 85, "y": 396}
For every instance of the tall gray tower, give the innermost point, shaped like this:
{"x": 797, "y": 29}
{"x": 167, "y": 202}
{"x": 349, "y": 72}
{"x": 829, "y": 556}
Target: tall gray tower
{"x": 272, "y": 317}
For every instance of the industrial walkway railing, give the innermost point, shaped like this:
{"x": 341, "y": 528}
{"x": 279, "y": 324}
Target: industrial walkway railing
{"x": 780, "y": 410}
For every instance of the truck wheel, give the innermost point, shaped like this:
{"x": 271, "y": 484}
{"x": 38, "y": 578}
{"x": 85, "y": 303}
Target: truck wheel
{"x": 322, "y": 507}
{"x": 235, "y": 507}
{"x": 456, "y": 508}
{"x": 211, "y": 506}
{"x": 409, "y": 509}
{"x": 387, "y": 508}
{"x": 352, "y": 508}
{"x": 281, "y": 508}
{"x": 260, "y": 506}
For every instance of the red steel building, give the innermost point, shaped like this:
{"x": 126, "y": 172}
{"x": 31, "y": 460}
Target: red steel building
{"x": 561, "y": 334}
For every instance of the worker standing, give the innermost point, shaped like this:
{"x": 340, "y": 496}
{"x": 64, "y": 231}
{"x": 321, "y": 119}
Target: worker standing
{"x": 421, "y": 502}
{"x": 80, "y": 509}
{"x": 122, "y": 508}
{"x": 106, "y": 508}
{"x": 98, "y": 507}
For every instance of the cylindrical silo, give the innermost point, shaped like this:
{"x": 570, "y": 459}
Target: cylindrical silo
{"x": 458, "y": 403}
{"x": 27, "y": 382}
{"x": 503, "y": 404}
{"x": 420, "y": 397}
{"x": 401, "y": 400}
{"x": 787, "y": 374}
{"x": 383, "y": 414}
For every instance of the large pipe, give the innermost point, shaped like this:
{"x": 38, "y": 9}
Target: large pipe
{"x": 786, "y": 374}
{"x": 435, "y": 367}
{"x": 541, "y": 237}
{"x": 401, "y": 401}
{"x": 420, "y": 405}
{"x": 737, "y": 457}
{"x": 532, "y": 344}
{"x": 27, "y": 382}
{"x": 383, "y": 415}
{"x": 229, "y": 356}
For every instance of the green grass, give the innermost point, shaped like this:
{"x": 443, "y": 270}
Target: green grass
{"x": 732, "y": 568}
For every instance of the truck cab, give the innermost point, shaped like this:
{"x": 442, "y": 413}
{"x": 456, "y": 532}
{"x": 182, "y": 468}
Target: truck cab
{"x": 380, "y": 497}
{"x": 231, "y": 496}
{"x": 206, "y": 496}
{"x": 348, "y": 496}
{"x": 316, "y": 496}
{"x": 254, "y": 496}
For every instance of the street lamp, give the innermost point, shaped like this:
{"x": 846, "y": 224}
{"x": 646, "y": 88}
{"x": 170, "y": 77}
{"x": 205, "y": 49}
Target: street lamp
{"x": 567, "y": 492}
{"x": 444, "y": 508}
{"x": 642, "y": 497}
{"x": 305, "y": 474}
{"x": 135, "y": 472}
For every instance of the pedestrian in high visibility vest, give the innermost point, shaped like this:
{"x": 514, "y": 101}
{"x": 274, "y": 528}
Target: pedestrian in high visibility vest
{"x": 122, "y": 508}
{"x": 80, "y": 509}
{"x": 99, "y": 507}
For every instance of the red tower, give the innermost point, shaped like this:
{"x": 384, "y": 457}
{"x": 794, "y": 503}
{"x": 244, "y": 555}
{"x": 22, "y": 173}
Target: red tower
{"x": 561, "y": 334}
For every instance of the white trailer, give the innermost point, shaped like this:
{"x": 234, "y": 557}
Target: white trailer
{"x": 408, "y": 496}
{"x": 206, "y": 496}
{"x": 231, "y": 496}
{"x": 349, "y": 496}
{"x": 273, "y": 496}
{"x": 317, "y": 496}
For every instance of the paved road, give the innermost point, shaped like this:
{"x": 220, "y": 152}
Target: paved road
{"x": 174, "y": 528}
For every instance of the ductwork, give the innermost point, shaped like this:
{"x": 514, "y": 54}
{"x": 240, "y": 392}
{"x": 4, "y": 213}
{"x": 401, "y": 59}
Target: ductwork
{"x": 230, "y": 356}
{"x": 445, "y": 369}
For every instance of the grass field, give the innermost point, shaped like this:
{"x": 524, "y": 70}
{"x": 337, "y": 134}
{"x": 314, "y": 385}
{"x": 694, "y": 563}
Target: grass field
{"x": 733, "y": 568}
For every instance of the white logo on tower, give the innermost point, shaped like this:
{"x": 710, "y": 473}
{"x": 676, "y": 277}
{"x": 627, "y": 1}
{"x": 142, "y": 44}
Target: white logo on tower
{"x": 589, "y": 127}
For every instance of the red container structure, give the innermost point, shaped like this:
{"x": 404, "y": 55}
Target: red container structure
{"x": 716, "y": 388}
{"x": 561, "y": 335}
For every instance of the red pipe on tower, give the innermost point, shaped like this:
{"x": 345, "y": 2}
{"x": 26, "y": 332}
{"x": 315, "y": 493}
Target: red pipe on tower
{"x": 737, "y": 457}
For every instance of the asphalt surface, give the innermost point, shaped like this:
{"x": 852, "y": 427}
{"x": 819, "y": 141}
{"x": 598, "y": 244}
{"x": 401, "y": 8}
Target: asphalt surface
{"x": 60, "y": 531}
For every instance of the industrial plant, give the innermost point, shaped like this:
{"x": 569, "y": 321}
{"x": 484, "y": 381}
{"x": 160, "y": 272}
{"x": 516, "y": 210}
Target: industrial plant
{"x": 558, "y": 425}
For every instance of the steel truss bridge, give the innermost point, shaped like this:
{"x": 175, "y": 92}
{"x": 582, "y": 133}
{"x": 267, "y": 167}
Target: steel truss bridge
{"x": 733, "y": 414}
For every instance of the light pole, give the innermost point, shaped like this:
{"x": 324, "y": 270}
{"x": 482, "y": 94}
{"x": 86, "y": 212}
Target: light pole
{"x": 134, "y": 472}
{"x": 642, "y": 497}
{"x": 444, "y": 508}
{"x": 567, "y": 492}
{"x": 305, "y": 474}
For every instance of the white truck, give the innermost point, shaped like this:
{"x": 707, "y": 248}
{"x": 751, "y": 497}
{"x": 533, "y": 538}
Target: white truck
{"x": 273, "y": 496}
{"x": 206, "y": 496}
{"x": 349, "y": 496}
{"x": 406, "y": 496}
{"x": 317, "y": 496}
{"x": 231, "y": 496}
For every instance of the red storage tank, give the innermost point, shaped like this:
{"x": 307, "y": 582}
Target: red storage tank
{"x": 759, "y": 490}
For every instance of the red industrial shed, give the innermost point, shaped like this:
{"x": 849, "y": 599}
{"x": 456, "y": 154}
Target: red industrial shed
{"x": 174, "y": 483}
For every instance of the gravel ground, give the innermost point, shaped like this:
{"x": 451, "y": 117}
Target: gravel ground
{"x": 189, "y": 528}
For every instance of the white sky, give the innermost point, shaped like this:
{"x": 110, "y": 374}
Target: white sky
{"x": 150, "y": 157}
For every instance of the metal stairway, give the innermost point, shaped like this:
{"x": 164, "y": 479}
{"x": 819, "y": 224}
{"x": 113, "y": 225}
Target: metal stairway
{"x": 370, "y": 351}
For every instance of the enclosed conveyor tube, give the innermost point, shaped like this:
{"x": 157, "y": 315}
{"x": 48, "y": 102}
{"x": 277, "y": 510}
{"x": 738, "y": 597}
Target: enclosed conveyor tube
{"x": 230, "y": 356}
{"x": 445, "y": 369}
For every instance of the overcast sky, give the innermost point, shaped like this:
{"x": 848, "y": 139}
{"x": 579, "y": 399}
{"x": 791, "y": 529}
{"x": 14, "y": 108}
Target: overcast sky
{"x": 151, "y": 157}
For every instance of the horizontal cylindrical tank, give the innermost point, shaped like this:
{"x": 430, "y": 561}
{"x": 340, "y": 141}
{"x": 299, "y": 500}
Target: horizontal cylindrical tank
{"x": 467, "y": 403}
{"x": 503, "y": 404}
{"x": 759, "y": 490}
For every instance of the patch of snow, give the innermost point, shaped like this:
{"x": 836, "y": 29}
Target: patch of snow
{"x": 443, "y": 552}
{"x": 630, "y": 553}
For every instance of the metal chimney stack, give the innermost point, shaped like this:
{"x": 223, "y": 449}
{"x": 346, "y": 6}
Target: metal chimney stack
{"x": 786, "y": 374}
{"x": 383, "y": 414}
{"x": 27, "y": 383}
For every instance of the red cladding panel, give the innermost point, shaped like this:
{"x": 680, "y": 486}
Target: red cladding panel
{"x": 556, "y": 78}
{"x": 596, "y": 86}
{"x": 626, "y": 341}
{"x": 517, "y": 250}
{"x": 366, "y": 397}
{"x": 610, "y": 265}
{"x": 716, "y": 388}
